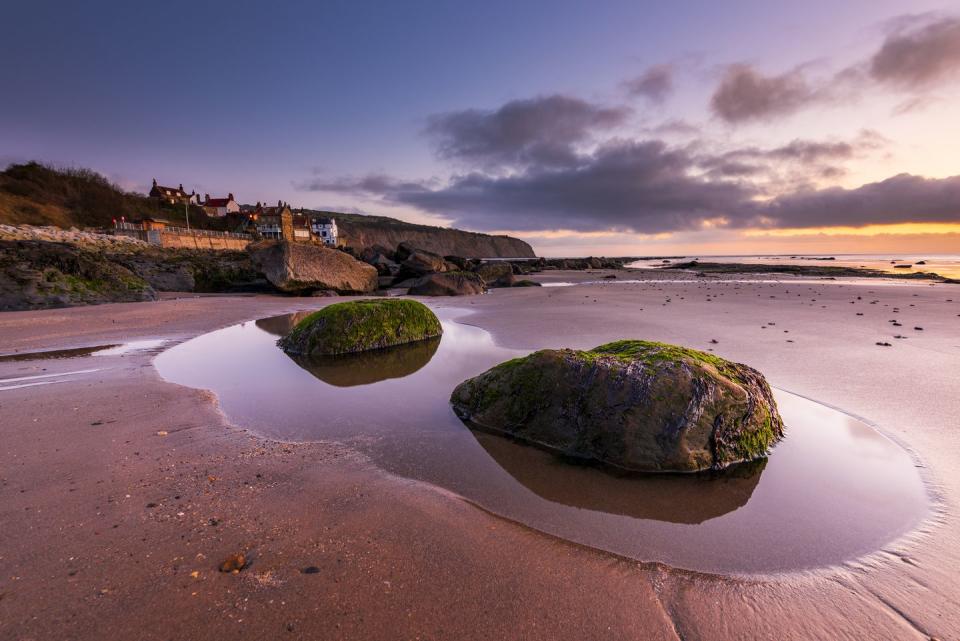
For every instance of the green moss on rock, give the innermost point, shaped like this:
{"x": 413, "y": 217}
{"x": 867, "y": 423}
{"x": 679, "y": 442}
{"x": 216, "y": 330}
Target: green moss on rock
{"x": 357, "y": 326}
{"x": 639, "y": 405}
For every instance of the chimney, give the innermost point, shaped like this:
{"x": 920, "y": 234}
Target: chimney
{"x": 230, "y": 196}
{"x": 181, "y": 186}
{"x": 206, "y": 198}
{"x": 154, "y": 182}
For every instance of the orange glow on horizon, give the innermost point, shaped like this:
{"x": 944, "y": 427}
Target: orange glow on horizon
{"x": 897, "y": 229}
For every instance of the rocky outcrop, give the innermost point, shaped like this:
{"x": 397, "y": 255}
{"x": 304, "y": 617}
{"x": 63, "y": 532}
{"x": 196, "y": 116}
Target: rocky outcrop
{"x": 302, "y": 268}
{"x": 496, "y": 274}
{"x": 358, "y": 326}
{"x": 360, "y": 232}
{"x": 636, "y": 405}
{"x": 415, "y": 261}
{"x": 38, "y": 274}
{"x": 448, "y": 284}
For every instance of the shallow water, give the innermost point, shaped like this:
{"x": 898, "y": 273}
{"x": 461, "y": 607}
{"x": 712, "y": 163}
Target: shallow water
{"x": 832, "y": 490}
{"x": 946, "y": 265}
{"x": 112, "y": 349}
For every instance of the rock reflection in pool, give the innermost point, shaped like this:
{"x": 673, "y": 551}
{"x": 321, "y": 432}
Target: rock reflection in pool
{"x": 362, "y": 368}
{"x": 372, "y": 366}
{"x": 833, "y": 489}
{"x": 676, "y": 498}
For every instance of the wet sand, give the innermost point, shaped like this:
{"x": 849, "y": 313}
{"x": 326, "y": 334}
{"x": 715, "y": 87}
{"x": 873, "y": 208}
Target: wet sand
{"x": 83, "y": 556}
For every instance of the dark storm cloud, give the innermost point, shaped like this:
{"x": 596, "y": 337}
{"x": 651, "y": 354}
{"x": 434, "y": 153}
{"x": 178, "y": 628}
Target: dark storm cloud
{"x": 627, "y": 185}
{"x": 649, "y": 187}
{"x": 654, "y": 84}
{"x": 900, "y": 199}
{"x": 745, "y": 94}
{"x": 917, "y": 56}
{"x": 540, "y": 130}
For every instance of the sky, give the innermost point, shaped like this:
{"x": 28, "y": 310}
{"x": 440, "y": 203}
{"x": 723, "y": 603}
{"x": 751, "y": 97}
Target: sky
{"x": 614, "y": 128}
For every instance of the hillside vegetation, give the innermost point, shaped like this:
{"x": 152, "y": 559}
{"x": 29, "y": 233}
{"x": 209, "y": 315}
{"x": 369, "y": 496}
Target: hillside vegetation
{"x": 38, "y": 194}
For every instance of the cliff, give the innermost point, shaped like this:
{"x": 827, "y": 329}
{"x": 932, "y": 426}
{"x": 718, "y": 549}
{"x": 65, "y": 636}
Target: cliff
{"x": 360, "y": 232}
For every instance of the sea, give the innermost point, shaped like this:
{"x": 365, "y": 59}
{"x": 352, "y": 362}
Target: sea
{"x": 946, "y": 265}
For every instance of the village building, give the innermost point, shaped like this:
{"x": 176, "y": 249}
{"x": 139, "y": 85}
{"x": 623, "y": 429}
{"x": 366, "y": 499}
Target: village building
{"x": 324, "y": 229}
{"x": 172, "y": 195}
{"x": 220, "y": 207}
{"x": 275, "y": 222}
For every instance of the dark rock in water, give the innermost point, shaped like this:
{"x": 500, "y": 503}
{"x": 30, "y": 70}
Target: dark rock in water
{"x": 304, "y": 267}
{"x": 448, "y": 284}
{"x": 372, "y": 366}
{"x": 496, "y": 274}
{"x": 610, "y": 277}
{"x": 637, "y": 405}
{"x": 357, "y": 326}
{"x": 527, "y": 283}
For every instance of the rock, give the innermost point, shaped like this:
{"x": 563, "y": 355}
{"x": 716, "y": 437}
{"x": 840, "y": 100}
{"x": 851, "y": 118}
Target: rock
{"x": 38, "y": 274}
{"x": 384, "y": 266}
{"x": 631, "y": 404}
{"x": 303, "y": 267}
{"x": 448, "y": 284}
{"x": 496, "y": 274}
{"x": 233, "y": 563}
{"x": 526, "y": 283}
{"x": 356, "y": 326}
{"x": 420, "y": 262}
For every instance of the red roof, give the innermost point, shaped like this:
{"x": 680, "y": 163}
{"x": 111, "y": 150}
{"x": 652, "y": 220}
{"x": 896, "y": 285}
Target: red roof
{"x": 216, "y": 202}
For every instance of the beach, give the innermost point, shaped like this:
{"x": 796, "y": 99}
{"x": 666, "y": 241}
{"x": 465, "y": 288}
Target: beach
{"x": 122, "y": 492}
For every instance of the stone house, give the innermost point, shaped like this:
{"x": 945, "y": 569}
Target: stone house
{"x": 172, "y": 195}
{"x": 220, "y": 207}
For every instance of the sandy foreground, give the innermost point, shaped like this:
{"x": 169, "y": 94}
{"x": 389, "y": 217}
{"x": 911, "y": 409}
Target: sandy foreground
{"x": 120, "y": 493}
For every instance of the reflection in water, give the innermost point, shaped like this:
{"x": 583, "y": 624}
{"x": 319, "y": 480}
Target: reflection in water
{"x": 676, "y": 498}
{"x": 832, "y": 490}
{"x": 281, "y": 325}
{"x": 371, "y": 366}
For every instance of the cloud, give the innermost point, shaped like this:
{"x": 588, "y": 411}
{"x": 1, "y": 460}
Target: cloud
{"x": 654, "y": 84}
{"x": 649, "y": 187}
{"x": 542, "y": 130}
{"x": 623, "y": 185}
{"x": 745, "y": 94}
{"x": 918, "y": 54}
{"x": 903, "y": 198}
{"x": 797, "y": 162}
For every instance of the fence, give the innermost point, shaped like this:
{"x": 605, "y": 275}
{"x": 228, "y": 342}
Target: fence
{"x": 186, "y": 238}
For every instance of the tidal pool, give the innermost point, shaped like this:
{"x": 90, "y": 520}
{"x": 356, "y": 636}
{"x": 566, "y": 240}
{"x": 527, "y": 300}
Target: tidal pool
{"x": 832, "y": 490}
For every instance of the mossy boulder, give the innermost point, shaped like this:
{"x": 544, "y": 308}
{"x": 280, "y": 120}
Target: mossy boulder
{"x": 358, "y": 326}
{"x": 632, "y": 404}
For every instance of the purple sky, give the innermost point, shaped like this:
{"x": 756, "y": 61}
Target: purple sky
{"x": 618, "y": 127}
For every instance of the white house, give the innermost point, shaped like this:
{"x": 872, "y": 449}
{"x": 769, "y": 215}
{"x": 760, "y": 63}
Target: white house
{"x": 221, "y": 206}
{"x": 325, "y": 229}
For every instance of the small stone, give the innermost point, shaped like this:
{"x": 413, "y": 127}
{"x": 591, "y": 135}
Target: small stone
{"x": 233, "y": 563}
{"x": 311, "y": 569}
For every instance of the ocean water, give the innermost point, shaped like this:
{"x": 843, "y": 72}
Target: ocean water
{"x": 947, "y": 265}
